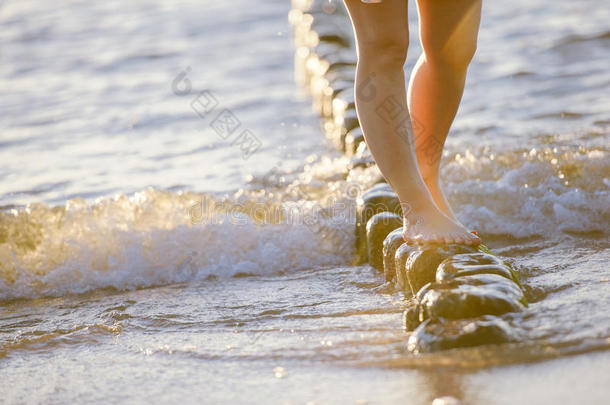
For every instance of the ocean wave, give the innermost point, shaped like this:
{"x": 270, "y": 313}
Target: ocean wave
{"x": 547, "y": 190}
{"x": 285, "y": 221}
{"x": 156, "y": 237}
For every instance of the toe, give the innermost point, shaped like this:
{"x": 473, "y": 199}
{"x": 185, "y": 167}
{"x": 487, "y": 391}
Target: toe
{"x": 459, "y": 238}
{"x": 409, "y": 238}
{"x": 473, "y": 239}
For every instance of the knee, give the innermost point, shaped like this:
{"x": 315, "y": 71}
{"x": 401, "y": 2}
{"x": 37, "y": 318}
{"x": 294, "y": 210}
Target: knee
{"x": 383, "y": 53}
{"x": 452, "y": 56}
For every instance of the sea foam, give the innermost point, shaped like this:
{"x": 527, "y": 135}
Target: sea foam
{"x": 284, "y": 222}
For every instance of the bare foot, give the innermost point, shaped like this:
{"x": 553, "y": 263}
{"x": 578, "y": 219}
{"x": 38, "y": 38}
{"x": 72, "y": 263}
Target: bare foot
{"x": 436, "y": 191}
{"x": 432, "y": 226}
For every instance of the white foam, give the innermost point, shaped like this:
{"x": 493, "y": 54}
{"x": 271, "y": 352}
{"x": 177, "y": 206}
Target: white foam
{"x": 151, "y": 238}
{"x": 544, "y": 191}
{"x": 157, "y": 237}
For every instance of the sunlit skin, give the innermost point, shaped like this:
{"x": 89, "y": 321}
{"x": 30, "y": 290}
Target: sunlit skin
{"x": 406, "y": 131}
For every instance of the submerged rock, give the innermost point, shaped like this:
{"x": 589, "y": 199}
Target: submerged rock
{"x": 433, "y": 335}
{"x": 377, "y": 228}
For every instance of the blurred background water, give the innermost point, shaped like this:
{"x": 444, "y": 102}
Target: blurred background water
{"x": 110, "y": 291}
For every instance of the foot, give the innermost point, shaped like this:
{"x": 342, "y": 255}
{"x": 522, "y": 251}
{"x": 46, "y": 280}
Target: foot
{"x": 432, "y": 226}
{"x": 436, "y": 191}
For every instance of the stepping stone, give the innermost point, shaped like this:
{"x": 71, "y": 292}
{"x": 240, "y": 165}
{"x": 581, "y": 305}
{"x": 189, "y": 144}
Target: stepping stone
{"x": 420, "y": 267}
{"x": 377, "y": 228}
{"x": 432, "y": 336}
{"x": 377, "y": 199}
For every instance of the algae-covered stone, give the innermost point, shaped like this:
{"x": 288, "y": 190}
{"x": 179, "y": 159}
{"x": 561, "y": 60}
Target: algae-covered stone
{"x": 431, "y": 336}
{"x": 421, "y": 266}
{"x": 378, "y": 199}
{"x": 468, "y": 264}
{"x": 377, "y": 228}
{"x": 390, "y": 245}
{"x": 469, "y": 297}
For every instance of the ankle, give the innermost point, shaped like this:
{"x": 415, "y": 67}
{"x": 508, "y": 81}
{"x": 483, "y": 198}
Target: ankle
{"x": 415, "y": 209}
{"x": 430, "y": 177}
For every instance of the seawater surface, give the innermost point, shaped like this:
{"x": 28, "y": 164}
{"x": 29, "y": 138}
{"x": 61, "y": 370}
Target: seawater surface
{"x": 144, "y": 258}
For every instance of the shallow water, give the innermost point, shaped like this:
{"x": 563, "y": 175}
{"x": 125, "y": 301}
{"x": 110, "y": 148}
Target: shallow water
{"x": 142, "y": 257}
